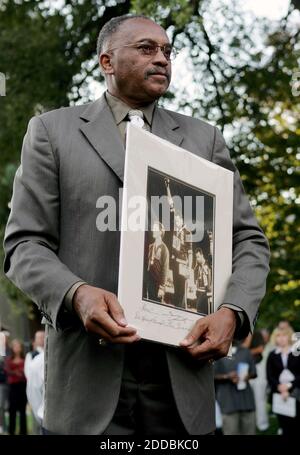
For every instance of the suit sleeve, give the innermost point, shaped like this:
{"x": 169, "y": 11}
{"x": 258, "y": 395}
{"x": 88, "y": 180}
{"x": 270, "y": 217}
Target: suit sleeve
{"x": 250, "y": 255}
{"x": 31, "y": 240}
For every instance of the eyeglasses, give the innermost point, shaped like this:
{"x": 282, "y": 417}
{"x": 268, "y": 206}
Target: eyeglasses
{"x": 151, "y": 49}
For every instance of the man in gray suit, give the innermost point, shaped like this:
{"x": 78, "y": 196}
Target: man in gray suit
{"x": 56, "y": 255}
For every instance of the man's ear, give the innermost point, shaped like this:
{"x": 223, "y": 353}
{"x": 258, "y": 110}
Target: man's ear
{"x": 105, "y": 63}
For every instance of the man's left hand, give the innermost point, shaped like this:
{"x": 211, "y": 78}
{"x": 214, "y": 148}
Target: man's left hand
{"x": 211, "y": 336}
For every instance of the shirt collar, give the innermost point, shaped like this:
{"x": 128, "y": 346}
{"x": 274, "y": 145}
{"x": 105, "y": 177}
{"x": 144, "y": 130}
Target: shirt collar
{"x": 279, "y": 351}
{"x": 121, "y": 109}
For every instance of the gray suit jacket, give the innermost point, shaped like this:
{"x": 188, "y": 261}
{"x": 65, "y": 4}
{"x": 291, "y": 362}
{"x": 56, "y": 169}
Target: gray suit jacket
{"x": 70, "y": 157}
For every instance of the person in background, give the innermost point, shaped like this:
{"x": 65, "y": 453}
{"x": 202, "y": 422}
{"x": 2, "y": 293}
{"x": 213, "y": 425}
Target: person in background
{"x": 3, "y": 381}
{"x": 269, "y": 347}
{"x": 37, "y": 348}
{"x": 265, "y": 333}
{"x": 35, "y": 390}
{"x": 3, "y": 388}
{"x": 256, "y": 344}
{"x": 219, "y": 422}
{"x": 259, "y": 384}
{"x": 283, "y": 374}
{"x": 14, "y": 368}
{"x": 285, "y": 325}
{"x": 234, "y": 393}
{"x": 282, "y": 325}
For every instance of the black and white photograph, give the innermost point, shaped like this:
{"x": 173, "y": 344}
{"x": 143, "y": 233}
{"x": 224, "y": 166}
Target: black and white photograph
{"x": 178, "y": 251}
{"x": 175, "y": 252}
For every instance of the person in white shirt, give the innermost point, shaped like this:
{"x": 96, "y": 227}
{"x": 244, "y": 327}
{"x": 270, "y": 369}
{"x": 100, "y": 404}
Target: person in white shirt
{"x": 38, "y": 347}
{"x": 31, "y": 367}
{"x": 283, "y": 373}
{"x": 35, "y": 387}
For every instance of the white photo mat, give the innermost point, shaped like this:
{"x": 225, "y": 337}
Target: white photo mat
{"x": 159, "y": 322}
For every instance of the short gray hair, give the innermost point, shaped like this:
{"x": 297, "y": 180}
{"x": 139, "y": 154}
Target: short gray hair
{"x": 112, "y": 26}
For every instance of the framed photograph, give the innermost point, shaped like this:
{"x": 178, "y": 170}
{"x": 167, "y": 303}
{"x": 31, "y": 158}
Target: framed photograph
{"x": 176, "y": 239}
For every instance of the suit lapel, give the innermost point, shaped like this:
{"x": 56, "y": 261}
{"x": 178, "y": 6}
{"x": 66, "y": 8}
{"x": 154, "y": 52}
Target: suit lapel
{"x": 165, "y": 127}
{"x": 102, "y": 133}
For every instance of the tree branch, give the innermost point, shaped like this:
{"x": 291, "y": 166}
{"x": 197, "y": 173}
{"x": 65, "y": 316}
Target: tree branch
{"x": 211, "y": 71}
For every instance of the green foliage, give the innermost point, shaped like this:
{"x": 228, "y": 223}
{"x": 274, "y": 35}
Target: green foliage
{"x": 242, "y": 74}
{"x": 167, "y": 12}
{"x": 20, "y": 304}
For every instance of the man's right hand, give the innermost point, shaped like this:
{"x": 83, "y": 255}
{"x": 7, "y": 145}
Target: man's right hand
{"x": 102, "y": 315}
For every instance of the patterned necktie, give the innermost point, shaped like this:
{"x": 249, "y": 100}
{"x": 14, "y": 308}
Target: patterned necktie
{"x": 136, "y": 117}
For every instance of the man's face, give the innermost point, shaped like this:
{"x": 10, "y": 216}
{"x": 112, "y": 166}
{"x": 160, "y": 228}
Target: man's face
{"x": 132, "y": 76}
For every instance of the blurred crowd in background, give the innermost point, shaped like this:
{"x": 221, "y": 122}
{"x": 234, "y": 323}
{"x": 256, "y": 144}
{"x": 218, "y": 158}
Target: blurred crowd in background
{"x": 22, "y": 386}
{"x": 257, "y": 387}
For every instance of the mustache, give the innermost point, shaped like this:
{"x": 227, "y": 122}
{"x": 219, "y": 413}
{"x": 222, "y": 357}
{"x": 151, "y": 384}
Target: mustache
{"x": 153, "y": 71}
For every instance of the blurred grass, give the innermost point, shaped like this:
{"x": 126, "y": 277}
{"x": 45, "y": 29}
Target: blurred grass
{"x": 273, "y": 426}
{"x": 30, "y": 423}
